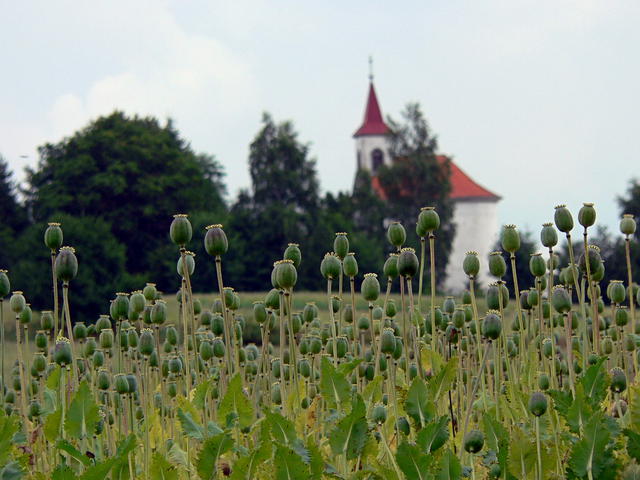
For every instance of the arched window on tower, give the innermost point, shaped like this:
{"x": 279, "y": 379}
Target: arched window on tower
{"x": 377, "y": 159}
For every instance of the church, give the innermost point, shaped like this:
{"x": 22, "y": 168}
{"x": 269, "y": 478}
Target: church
{"x": 475, "y": 207}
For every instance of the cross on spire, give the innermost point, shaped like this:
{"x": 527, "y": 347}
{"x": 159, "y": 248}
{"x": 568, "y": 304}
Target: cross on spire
{"x": 370, "y": 68}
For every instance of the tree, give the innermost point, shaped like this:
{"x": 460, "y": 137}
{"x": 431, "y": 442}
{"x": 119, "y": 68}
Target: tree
{"x": 12, "y": 216}
{"x": 134, "y": 174}
{"x": 418, "y": 177}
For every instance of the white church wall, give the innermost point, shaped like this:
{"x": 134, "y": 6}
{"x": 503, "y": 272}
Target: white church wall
{"x": 476, "y": 229}
{"x": 367, "y": 144}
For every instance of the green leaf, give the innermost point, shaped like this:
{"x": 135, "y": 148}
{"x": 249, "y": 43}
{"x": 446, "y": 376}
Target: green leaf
{"x": 63, "y": 472}
{"x": 190, "y": 427}
{"x": 316, "y": 462}
{"x": 449, "y": 467}
{"x": 580, "y": 410}
{"x": 246, "y": 467}
{"x": 497, "y": 439}
{"x": 53, "y": 380}
{"x": 595, "y": 382}
{"x": 11, "y": 471}
{"x": 434, "y": 435}
{"x": 590, "y": 454}
{"x": 289, "y": 465}
{"x": 418, "y": 404}
{"x": 633, "y": 444}
{"x": 634, "y": 408}
{"x": 83, "y": 414}
{"x": 372, "y": 393}
{"x": 8, "y": 428}
{"x": 413, "y": 463}
{"x": 282, "y": 429}
{"x": 350, "y": 434}
{"x": 201, "y": 392}
{"x": 52, "y": 425}
{"x": 118, "y": 464}
{"x": 562, "y": 401}
{"x": 161, "y": 469}
{"x": 65, "y": 446}
{"x": 213, "y": 447}
{"x": 522, "y": 454}
{"x": 346, "y": 368}
{"x": 235, "y": 402}
{"x": 441, "y": 383}
{"x": 334, "y": 387}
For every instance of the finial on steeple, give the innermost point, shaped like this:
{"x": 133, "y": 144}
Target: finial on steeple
{"x": 370, "y": 68}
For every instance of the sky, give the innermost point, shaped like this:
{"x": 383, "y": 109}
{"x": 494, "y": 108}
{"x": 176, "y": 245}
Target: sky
{"x": 536, "y": 100}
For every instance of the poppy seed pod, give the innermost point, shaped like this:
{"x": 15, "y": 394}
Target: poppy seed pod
{"x": 390, "y": 268}
{"x": 180, "y": 230}
{"x": 104, "y": 380}
{"x": 473, "y": 441}
{"x": 618, "y": 380}
{"x": 379, "y": 414}
{"x": 341, "y": 245}
{"x": 370, "y": 287}
{"x": 350, "y": 265}
{"x": 17, "y": 302}
{"x": 494, "y": 294}
{"x": 563, "y": 218}
{"x": 387, "y": 341}
{"x": 537, "y": 265}
{"x": 595, "y": 260}
{"x": 497, "y": 264}
{"x": 292, "y": 252}
{"x": 159, "y": 312}
{"x": 206, "y": 351}
{"x": 428, "y": 221}
{"x": 79, "y": 331}
{"x": 26, "y": 315}
{"x": 215, "y": 240}
{"x": 538, "y": 403}
{"x": 42, "y": 341}
{"x": 510, "y": 238}
{"x": 150, "y": 292}
{"x": 310, "y": 312}
{"x": 622, "y": 316}
{"x": 491, "y": 325}
{"x": 53, "y": 236}
{"x": 587, "y": 215}
{"x": 548, "y": 235}
{"x": 616, "y": 292}
{"x": 137, "y": 302}
{"x": 471, "y": 264}
{"x": 259, "y": 312}
{"x": 560, "y": 299}
{"x": 396, "y": 234}
{"x": 286, "y": 274}
{"x": 190, "y": 262}
{"x": 121, "y": 384}
{"x": 66, "y": 264}
{"x": 120, "y": 306}
{"x": 147, "y": 342}
{"x": 218, "y": 347}
{"x": 5, "y": 284}
{"x": 627, "y": 224}
{"x": 408, "y": 263}
{"x": 330, "y": 267}
{"x": 62, "y": 352}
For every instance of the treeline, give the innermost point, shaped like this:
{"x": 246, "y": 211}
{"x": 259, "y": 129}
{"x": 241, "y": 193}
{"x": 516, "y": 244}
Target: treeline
{"x": 115, "y": 184}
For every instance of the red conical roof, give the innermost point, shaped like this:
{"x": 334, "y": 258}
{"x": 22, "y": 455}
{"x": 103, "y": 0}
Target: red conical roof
{"x": 373, "y": 123}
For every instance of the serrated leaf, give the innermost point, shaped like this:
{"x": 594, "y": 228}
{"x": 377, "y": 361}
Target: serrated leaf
{"x": 372, "y": 393}
{"x": 53, "y": 380}
{"x": 8, "y": 428}
{"x": 434, "y": 435}
{"x": 497, "y": 439}
{"x": 595, "y": 382}
{"x": 431, "y": 360}
{"x": 63, "y": 472}
{"x": 418, "y": 403}
{"x": 350, "y": 434}
{"x": 589, "y": 455}
{"x": 11, "y": 471}
{"x": 161, "y": 469}
{"x": 213, "y": 447}
{"x": 413, "y": 463}
{"x": 316, "y": 462}
{"x": 334, "y": 387}
{"x": 289, "y": 465}
{"x": 562, "y": 401}
{"x": 634, "y": 408}
{"x": 52, "y": 425}
{"x": 282, "y": 429}
{"x": 190, "y": 427}
{"x": 247, "y": 466}
{"x": 580, "y": 410}
{"x": 522, "y": 454}
{"x": 441, "y": 382}
{"x": 201, "y": 392}
{"x": 235, "y": 402}
{"x": 65, "y": 446}
{"x": 118, "y": 464}
{"x": 449, "y": 467}
{"x": 83, "y": 414}
{"x": 348, "y": 367}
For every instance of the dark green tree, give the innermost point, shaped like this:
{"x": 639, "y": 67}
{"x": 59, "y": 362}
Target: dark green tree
{"x": 133, "y": 173}
{"x": 12, "y": 216}
{"x": 418, "y": 177}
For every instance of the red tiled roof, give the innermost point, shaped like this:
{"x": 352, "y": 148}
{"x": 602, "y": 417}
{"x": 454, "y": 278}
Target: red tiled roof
{"x": 373, "y": 123}
{"x": 462, "y": 186}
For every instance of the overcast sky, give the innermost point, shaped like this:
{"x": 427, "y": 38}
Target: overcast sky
{"x": 536, "y": 100}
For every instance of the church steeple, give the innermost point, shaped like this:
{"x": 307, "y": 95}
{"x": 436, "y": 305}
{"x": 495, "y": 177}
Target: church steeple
{"x": 373, "y": 123}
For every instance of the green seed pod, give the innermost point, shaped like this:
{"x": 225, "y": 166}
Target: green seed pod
{"x": 98, "y": 359}
{"x": 103, "y": 380}
{"x": 543, "y": 382}
{"x": 387, "y": 341}
{"x": 537, "y": 265}
{"x": 347, "y": 314}
{"x": 218, "y": 347}
{"x": 363, "y": 323}
{"x": 341, "y": 245}
{"x": 79, "y": 331}
{"x": 403, "y": 426}
{"x": 471, "y": 264}
{"x": 342, "y": 346}
{"x": 379, "y": 414}
{"x": 563, "y": 219}
{"x": 538, "y": 404}
{"x": 510, "y": 239}
{"x": 607, "y": 345}
{"x": 39, "y": 362}
{"x": 391, "y": 308}
{"x": 390, "y": 268}
{"x": 5, "y": 284}
{"x": 259, "y": 312}
{"x": 120, "y": 306}
{"x": 17, "y": 302}
{"x": 548, "y": 235}
{"x": 206, "y": 351}
{"x": 106, "y": 339}
{"x": 621, "y": 316}
{"x": 627, "y": 224}
{"x": 473, "y": 441}
{"x": 121, "y": 384}
{"x": 618, "y": 380}
{"x": 304, "y": 368}
{"x": 399, "y": 348}
{"x": 180, "y": 230}
{"x": 293, "y": 253}
{"x": 449, "y": 305}
{"x": 215, "y": 240}
{"x": 146, "y": 344}
{"x": 495, "y": 293}
{"x": 587, "y": 215}
{"x": 491, "y": 325}
{"x": 217, "y": 325}
{"x": 42, "y": 341}
{"x": 330, "y": 267}
{"x": 350, "y": 265}
{"x": 103, "y": 323}
{"x": 276, "y": 395}
{"x": 616, "y": 292}
{"x": 189, "y": 261}
{"x": 62, "y": 352}
{"x": 396, "y": 234}
{"x": 335, "y": 303}
{"x": 286, "y": 274}
{"x": 26, "y": 315}
{"x": 150, "y": 292}
{"x": 497, "y": 264}
{"x": 458, "y": 317}
{"x": 560, "y": 299}
{"x": 598, "y": 274}
{"x": 629, "y": 343}
{"x": 370, "y": 287}
{"x": 66, "y": 265}
{"x": 310, "y": 312}
{"x": 428, "y": 221}
{"x": 408, "y": 263}
{"x": 533, "y": 298}
{"x": 53, "y": 236}
{"x": 159, "y": 312}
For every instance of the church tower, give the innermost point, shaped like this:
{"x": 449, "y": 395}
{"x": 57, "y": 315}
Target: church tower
{"x": 372, "y": 138}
